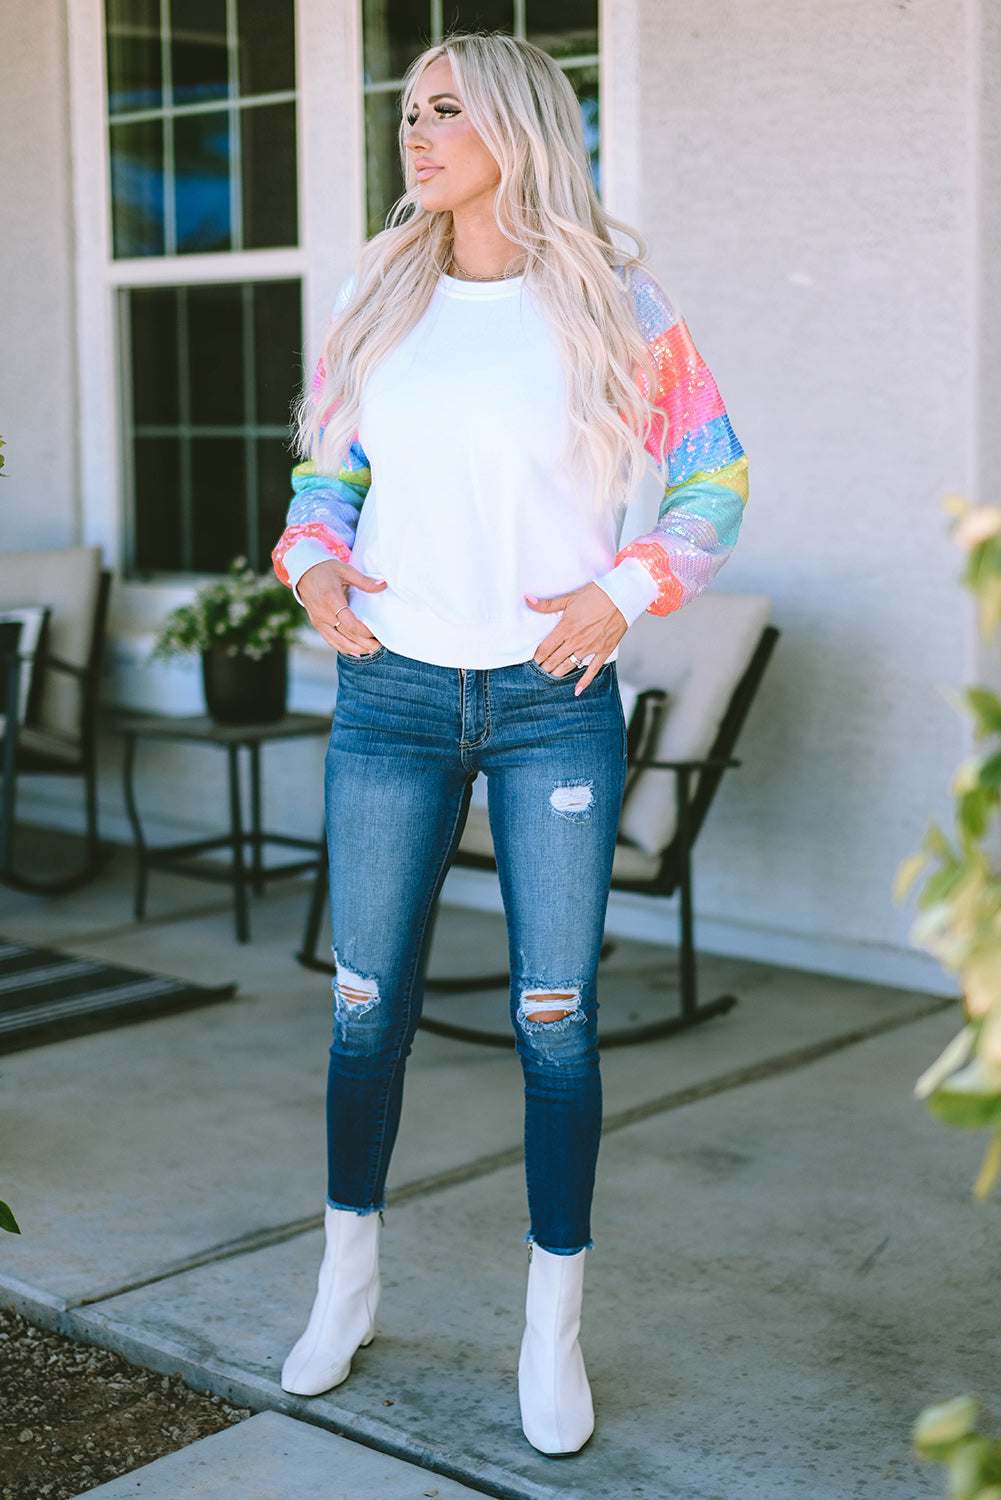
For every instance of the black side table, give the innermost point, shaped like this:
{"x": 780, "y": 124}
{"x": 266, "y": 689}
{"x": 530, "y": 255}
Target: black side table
{"x": 181, "y": 858}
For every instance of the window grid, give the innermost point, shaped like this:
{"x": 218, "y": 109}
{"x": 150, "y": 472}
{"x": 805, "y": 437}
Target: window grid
{"x": 185, "y": 433}
{"x": 206, "y": 107}
{"x": 437, "y": 29}
{"x": 187, "y": 430}
{"x": 232, "y": 105}
{"x": 251, "y": 497}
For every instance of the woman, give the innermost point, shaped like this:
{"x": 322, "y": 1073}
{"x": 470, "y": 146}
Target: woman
{"x": 490, "y": 389}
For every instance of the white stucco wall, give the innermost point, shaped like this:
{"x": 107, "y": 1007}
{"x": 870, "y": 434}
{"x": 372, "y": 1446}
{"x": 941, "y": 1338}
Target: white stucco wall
{"x": 809, "y": 192}
{"x": 989, "y": 167}
{"x": 819, "y": 186}
{"x": 38, "y": 498}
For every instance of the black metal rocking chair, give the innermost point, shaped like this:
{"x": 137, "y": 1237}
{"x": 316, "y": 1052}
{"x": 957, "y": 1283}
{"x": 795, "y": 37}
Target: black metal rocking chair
{"x": 59, "y": 734}
{"x": 666, "y": 812}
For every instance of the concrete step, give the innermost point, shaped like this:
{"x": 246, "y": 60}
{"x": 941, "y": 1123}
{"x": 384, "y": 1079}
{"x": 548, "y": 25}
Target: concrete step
{"x": 271, "y": 1457}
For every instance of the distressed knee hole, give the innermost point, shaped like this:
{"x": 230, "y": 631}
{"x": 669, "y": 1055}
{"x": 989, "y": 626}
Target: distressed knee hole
{"x": 548, "y": 1006}
{"x": 355, "y": 993}
{"x": 571, "y": 799}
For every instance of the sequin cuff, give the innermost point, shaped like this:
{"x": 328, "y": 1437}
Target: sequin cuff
{"x": 630, "y": 588}
{"x": 315, "y": 532}
{"x": 657, "y": 563}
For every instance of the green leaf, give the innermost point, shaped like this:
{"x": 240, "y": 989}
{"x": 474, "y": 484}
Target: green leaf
{"x": 990, "y": 772}
{"x": 938, "y": 886}
{"x": 965, "y": 1111}
{"x": 972, "y": 814}
{"x": 985, "y": 707}
{"x": 7, "y": 1220}
{"x": 971, "y": 1467}
{"x": 937, "y": 844}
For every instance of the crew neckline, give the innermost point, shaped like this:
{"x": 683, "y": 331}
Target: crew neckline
{"x": 457, "y": 286}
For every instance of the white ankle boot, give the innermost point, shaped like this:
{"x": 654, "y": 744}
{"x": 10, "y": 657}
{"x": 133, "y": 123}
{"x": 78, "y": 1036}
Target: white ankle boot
{"x": 557, "y": 1416}
{"x": 343, "y": 1316}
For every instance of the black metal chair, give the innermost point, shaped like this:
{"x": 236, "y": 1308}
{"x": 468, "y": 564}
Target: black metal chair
{"x": 58, "y": 737}
{"x": 692, "y": 699}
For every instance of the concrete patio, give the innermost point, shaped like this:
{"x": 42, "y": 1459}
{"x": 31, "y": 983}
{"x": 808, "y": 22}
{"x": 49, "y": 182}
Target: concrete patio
{"x": 788, "y": 1261}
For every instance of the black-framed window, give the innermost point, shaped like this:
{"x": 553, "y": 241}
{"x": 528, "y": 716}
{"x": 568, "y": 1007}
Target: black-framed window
{"x": 395, "y": 31}
{"x": 202, "y": 125}
{"x": 213, "y": 371}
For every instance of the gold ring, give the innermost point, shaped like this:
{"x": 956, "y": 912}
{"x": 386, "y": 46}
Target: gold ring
{"x": 338, "y": 613}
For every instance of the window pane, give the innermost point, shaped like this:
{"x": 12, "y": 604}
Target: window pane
{"x": 383, "y": 173}
{"x": 477, "y": 15}
{"x": 133, "y": 43}
{"x": 137, "y": 188}
{"x": 585, "y": 82}
{"x": 270, "y": 210}
{"x": 218, "y": 503}
{"x": 215, "y": 354}
{"x": 198, "y": 52}
{"x": 201, "y": 182}
{"x": 278, "y": 349}
{"x": 267, "y": 46}
{"x": 395, "y": 31}
{"x": 563, "y": 28}
{"x": 157, "y": 466}
{"x": 274, "y": 461}
{"x": 192, "y": 483}
{"x": 153, "y": 316}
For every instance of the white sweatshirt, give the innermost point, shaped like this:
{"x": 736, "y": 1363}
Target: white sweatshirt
{"x": 472, "y": 504}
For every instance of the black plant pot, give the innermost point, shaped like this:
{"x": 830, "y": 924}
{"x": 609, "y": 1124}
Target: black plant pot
{"x": 240, "y": 690}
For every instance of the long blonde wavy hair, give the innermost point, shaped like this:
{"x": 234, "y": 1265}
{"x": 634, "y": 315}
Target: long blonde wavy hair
{"x": 525, "y": 110}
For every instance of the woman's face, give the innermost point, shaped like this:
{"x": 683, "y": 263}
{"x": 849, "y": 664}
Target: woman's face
{"x": 455, "y": 170}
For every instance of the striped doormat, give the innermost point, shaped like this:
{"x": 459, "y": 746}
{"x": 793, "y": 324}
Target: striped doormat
{"x": 46, "y": 995}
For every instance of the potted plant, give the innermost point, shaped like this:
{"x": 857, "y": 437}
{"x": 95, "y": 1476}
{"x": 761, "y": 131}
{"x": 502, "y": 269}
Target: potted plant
{"x": 242, "y": 625}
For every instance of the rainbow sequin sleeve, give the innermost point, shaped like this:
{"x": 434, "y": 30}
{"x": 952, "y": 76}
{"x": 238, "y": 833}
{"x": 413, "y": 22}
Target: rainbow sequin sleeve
{"x": 323, "y": 516}
{"x": 706, "y": 470}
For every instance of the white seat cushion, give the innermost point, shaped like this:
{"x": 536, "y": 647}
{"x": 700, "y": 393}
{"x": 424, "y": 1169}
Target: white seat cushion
{"x": 630, "y": 864}
{"x": 67, "y": 580}
{"x": 698, "y": 655}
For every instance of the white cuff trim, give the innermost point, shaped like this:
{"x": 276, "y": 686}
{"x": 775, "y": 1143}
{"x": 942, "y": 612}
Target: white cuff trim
{"x": 300, "y": 557}
{"x": 630, "y": 588}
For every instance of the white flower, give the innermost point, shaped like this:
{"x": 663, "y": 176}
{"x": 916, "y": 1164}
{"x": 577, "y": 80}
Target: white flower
{"x": 978, "y": 525}
{"x": 978, "y": 1080}
{"x": 947, "y": 1422}
{"x": 982, "y": 983}
{"x": 952, "y": 1058}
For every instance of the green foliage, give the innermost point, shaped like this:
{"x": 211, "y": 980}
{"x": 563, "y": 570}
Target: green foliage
{"x": 7, "y": 1219}
{"x": 959, "y": 899}
{"x": 2, "y": 445}
{"x": 959, "y": 920}
{"x": 242, "y": 612}
{"x": 947, "y": 1434}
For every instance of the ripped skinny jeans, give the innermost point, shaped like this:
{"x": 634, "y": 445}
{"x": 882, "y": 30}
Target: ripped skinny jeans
{"x": 408, "y": 739}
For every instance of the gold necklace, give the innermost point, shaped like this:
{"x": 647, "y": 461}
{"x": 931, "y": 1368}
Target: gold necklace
{"x": 468, "y": 275}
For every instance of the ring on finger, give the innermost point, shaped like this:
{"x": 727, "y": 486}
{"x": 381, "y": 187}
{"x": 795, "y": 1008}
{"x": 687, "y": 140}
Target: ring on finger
{"x": 337, "y": 623}
{"x": 576, "y": 660}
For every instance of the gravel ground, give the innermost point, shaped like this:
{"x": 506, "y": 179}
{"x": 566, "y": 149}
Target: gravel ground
{"x": 73, "y": 1417}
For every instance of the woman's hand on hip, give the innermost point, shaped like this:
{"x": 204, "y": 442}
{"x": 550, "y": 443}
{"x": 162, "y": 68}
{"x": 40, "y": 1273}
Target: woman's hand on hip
{"x": 323, "y": 589}
{"x": 590, "y": 626}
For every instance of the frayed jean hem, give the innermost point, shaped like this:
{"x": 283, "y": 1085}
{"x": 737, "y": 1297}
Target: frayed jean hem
{"x": 550, "y": 1250}
{"x": 350, "y": 1208}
